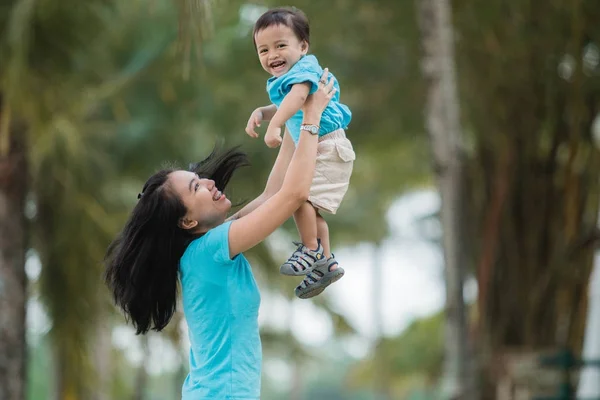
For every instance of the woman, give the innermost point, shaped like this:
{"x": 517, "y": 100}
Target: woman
{"x": 179, "y": 227}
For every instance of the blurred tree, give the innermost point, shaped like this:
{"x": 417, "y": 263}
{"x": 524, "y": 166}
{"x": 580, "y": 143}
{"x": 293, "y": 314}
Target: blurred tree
{"x": 99, "y": 91}
{"x": 445, "y": 132}
{"x": 36, "y": 48}
{"x": 414, "y": 358}
{"x": 48, "y": 84}
{"x": 529, "y": 78}
{"x": 13, "y": 294}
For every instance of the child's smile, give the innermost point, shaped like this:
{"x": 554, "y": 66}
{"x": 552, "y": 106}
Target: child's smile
{"x": 279, "y": 49}
{"x": 278, "y": 67}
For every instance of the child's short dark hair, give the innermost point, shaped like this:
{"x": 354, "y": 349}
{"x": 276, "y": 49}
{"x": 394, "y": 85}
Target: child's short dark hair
{"x": 291, "y": 17}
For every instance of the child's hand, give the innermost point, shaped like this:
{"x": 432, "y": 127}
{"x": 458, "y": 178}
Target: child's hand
{"x": 253, "y": 122}
{"x": 273, "y": 136}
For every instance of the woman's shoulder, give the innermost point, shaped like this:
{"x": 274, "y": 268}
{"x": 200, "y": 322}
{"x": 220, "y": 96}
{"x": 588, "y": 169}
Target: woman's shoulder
{"x": 213, "y": 245}
{"x": 217, "y": 233}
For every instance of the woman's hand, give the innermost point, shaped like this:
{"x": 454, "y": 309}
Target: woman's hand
{"x": 316, "y": 103}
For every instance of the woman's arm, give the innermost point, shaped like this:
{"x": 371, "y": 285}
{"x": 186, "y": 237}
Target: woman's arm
{"x": 246, "y": 232}
{"x": 275, "y": 180}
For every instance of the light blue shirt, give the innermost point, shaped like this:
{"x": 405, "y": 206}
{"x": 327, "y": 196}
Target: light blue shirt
{"x": 220, "y": 302}
{"x": 307, "y": 69}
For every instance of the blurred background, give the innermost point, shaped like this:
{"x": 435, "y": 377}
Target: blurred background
{"x": 468, "y": 235}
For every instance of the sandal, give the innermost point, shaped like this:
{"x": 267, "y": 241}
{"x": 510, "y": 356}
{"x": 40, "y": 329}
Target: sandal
{"x": 318, "y": 280}
{"x": 303, "y": 260}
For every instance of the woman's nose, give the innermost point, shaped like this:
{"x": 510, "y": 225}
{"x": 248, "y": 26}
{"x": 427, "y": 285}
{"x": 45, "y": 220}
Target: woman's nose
{"x": 209, "y": 183}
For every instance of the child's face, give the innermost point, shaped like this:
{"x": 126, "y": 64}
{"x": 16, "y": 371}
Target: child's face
{"x": 279, "y": 49}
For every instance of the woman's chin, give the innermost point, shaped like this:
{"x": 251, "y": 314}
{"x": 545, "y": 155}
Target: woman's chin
{"x": 226, "y": 206}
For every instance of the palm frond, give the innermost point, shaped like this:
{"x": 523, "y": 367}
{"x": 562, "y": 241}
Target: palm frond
{"x": 195, "y": 26}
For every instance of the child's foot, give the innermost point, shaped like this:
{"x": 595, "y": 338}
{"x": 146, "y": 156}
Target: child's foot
{"x": 321, "y": 277}
{"x": 304, "y": 260}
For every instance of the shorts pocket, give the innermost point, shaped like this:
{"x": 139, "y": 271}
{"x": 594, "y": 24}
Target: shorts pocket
{"x": 335, "y": 161}
{"x": 345, "y": 151}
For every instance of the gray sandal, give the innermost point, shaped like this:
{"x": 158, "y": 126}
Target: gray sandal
{"x": 317, "y": 281}
{"x": 303, "y": 260}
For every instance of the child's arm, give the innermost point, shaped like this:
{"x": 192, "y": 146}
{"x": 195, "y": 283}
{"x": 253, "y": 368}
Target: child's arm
{"x": 264, "y": 113}
{"x": 290, "y": 105}
{"x": 268, "y": 111}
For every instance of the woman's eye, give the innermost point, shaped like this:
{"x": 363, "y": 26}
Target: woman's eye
{"x": 197, "y": 186}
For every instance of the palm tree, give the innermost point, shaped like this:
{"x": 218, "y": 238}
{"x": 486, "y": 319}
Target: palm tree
{"x": 13, "y": 295}
{"x": 53, "y": 76}
{"x": 108, "y": 106}
{"x": 26, "y": 70}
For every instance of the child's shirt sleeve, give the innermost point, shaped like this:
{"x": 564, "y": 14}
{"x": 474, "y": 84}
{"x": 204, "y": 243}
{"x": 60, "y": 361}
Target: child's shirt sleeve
{"x": 307, "y": 69}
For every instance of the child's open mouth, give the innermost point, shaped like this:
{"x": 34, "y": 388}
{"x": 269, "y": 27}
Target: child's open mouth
{"x": 277, "y": 66}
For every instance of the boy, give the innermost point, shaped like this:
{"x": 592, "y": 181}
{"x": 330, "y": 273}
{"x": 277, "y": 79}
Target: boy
{"x": 282, "y": 39}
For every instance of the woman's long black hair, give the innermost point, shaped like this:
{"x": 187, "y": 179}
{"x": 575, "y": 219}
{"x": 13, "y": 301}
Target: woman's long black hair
{"x": 143, "y": 261}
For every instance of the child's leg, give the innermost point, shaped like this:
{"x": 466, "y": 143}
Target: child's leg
{"x": 325, "y": 274}
{"x": 309, "y": 253}
{"x": 323, "y": 234}
{"x": 306, "y": 222}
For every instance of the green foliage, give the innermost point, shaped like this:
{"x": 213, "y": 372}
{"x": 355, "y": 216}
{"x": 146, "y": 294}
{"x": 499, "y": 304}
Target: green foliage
{"x": 110, "y": 90}
{"x": 39, "y": 363}
{"x": 530, "y": 87}
{"x": 413, "y": 360}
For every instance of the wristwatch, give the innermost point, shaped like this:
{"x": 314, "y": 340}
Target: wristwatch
{"x": 312, "y": 129}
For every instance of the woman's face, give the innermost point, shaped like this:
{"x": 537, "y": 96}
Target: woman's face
{"x": 206, "y": 206}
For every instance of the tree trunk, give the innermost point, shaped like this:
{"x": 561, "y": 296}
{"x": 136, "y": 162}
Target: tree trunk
{"x": 141, "y": 378}
{"x": 101, "y": 351}
{"x": 443, "y": 126}
{"x": 13, "y": 282}
{"x": 295, "y": 392}
{"x": 589, "y": 380}
{"x": 381, "y": 378}
{"x": 534, "y": 171}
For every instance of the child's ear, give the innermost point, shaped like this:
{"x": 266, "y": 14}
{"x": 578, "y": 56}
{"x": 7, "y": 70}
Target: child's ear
{"x": 304, "y": 47}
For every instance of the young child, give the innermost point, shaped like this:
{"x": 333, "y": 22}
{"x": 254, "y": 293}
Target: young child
{"x": 281, "y": 38}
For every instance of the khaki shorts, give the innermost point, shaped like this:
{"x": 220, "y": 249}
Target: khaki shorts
{"x": 335, "y": 158}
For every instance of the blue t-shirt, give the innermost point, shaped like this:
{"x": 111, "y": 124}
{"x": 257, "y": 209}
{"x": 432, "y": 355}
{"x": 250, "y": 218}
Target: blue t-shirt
{"x": 220, "y": 302}
{"x": 307, "y": 69}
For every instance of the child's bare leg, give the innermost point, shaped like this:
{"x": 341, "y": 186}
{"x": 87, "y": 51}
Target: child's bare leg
{"x": 323, "y": 234}
{"x": 309, "y": 254}
{"x": 324, "y": 274}
{"x": 306, "y": 222}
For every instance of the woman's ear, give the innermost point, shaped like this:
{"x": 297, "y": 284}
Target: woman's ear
{"x": 186, "y": 223}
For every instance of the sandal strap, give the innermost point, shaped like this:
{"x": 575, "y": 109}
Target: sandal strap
{"x": 311, "y": 278}
{"x": 331, "y": 265}
{"x": 301, "y": 259}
